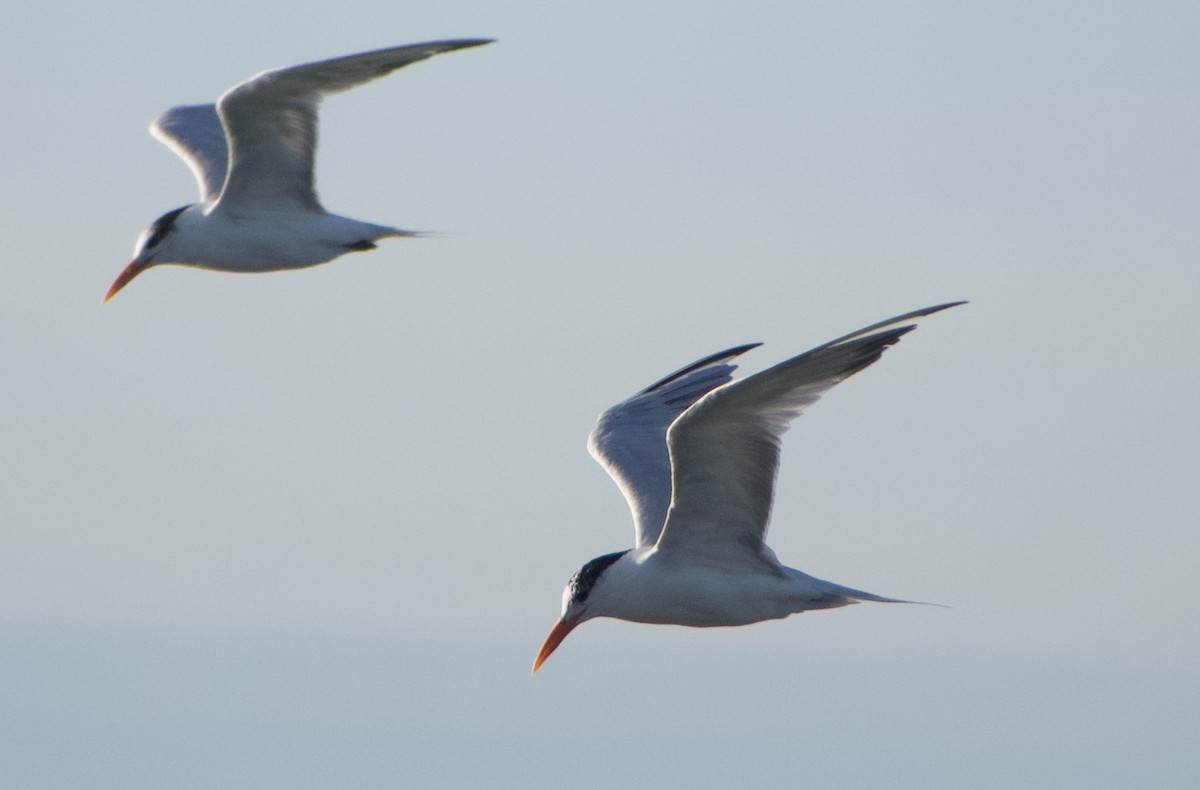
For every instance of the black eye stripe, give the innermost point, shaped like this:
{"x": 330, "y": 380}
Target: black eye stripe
{"x": 163, "y": 226}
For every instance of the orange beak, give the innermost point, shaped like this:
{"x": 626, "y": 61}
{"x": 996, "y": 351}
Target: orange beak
{"x": 132, "y": 270}
{"x": 557, "y": 634}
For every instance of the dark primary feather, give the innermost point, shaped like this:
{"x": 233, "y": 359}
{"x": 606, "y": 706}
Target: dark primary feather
{"x": 271, "y": 119}
{"x": 724, "y": 450}
{"x": 720, "y": 356}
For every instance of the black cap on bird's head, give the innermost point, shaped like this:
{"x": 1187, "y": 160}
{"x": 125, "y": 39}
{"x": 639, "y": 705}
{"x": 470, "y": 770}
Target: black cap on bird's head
{"x": 580, "y": 585}
{"x": 575, "y": 599}
{"x": 147, "y": 245}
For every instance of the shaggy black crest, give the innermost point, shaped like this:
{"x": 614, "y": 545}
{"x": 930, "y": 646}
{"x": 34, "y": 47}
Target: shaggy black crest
{"x": 163, "y": 226}
{"x": 583, "y": 580}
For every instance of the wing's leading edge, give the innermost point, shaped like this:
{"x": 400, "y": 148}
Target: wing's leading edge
{"x": 724, "y": 450}
{"x": 271, "y": 120}
{"x": 195, "y": 133}
{"x": 630, "y": 439}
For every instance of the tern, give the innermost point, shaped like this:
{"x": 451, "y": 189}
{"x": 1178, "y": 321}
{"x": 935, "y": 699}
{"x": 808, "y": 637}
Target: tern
{"x": 695, "y": 455}
{"x": 252, "y": 153}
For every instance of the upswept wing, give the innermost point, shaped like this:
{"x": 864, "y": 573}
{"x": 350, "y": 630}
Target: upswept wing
{"x": 725, "y": 449}
{"x": 630, "y": 439}
{"x": 195, "y": 133}
{"x": 271, "y": 120}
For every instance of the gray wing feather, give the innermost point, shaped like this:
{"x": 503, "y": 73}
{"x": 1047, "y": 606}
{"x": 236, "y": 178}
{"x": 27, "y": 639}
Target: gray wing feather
{"x": 271, "y": 119}
{"x": 630, "y": 439}
{"x": 724, "y": 450}
{"x": 195, "y": 133}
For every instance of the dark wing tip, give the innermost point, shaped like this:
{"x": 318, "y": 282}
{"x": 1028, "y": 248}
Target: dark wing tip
{"x": 940, "y": 307}
{"x": 889, "y": 322}
{"x": 450, "y": 45}
{"x": 712, "y": 359}
{"x": 924, "y": 311}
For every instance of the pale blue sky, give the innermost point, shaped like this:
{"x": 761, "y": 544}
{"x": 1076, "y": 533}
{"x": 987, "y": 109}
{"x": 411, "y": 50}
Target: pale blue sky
{"x": 308, "y": 529}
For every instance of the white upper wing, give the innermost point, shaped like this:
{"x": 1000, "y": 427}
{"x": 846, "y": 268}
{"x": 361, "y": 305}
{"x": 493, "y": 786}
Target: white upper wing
{"x": 630, "y": 439}
{"x": 271, "y": 120}
{"x": 195, "y": 133}
{"x": 725, "y": 448}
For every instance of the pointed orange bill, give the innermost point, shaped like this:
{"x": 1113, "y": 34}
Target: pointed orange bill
{"x": 132, "y": 270}
{"x": 557, "y": 634}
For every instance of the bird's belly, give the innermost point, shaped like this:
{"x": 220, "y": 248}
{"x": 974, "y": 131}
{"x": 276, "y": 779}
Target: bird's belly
{"x": 273, "y": 241}
{"x": 715, "y": 599}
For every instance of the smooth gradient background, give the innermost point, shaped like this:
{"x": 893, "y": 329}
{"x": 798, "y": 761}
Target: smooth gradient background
{"x": 308, "y": 529}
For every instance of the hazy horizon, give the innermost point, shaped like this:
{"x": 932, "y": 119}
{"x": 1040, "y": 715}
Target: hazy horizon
{"x": 308, "y": 529}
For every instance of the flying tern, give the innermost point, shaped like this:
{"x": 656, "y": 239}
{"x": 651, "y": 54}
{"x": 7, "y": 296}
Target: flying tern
{"x": 252, "y": 153}
{"x": 695, "y": 455}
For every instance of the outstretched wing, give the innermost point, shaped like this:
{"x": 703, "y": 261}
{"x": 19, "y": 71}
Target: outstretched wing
{"x": 271, "y": 120}
{"x": 725, "y": 448}
{"x": 630, "y": 439}
{"x": 195, "y": 133}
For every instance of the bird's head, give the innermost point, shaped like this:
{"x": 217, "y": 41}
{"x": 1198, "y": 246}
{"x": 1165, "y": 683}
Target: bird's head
{"x": 152, "y": 247}
{"x": 579, "y": 602}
